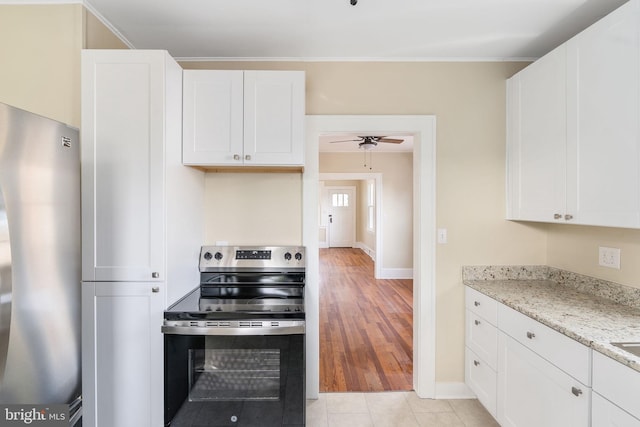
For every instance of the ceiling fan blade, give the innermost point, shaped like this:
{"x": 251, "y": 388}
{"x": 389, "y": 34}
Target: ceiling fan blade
{"x": 346, "y": 140}
{"x": 391, "y": 140}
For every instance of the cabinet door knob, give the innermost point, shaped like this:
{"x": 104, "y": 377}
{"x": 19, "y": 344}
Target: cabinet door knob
{"x": 557, "y": 216}
{"x": 247, "y": 157}
{"x": 155, "y": 274}
{"x": 236, "y": 157}
{"x": 576, "y": 391}
{"x": 568, "y": 217}
{"x": 477, "y": 322}
{"x": 155, "y": 289}
{"x": 531, "y": 335}
{"x": 475, "y": 362}
{"x": 476, "y": 303}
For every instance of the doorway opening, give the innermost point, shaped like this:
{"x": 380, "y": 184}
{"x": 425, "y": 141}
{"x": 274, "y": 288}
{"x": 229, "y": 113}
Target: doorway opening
{"x": 423, "y": 129}
{"x": 366, "y": 319}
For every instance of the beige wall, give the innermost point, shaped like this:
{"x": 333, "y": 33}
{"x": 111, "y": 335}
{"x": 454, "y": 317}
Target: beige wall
{"x": 40, "y": 50}
{"x": 575, "y": 248}
{"x": 98, "y": 36}
{"x": 253, "y": 208}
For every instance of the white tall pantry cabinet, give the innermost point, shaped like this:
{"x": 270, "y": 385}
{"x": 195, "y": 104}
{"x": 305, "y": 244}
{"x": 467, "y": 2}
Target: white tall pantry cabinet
{"x": 141, "y": 220}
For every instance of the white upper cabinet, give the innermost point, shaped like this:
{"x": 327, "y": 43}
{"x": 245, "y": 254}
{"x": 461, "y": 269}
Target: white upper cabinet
{"x": 243, "y": 118}
{"x": 573, "y": 129}
{"x": 603, "y": 120}
{"x": 536, "y": 134}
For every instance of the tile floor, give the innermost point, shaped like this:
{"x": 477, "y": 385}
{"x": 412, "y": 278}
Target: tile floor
{"x": 394, "y": 409}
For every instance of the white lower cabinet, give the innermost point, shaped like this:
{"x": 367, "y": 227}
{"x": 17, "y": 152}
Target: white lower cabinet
{"x": 616, "y": 389}
{"x": 481, "y": 352}
{"x": 606, "y": 414}
{"x": 524, "y": 373}
{"x": 482, "y": 379}
{"x": 532, "y": 392}
{"x": 122, "y": 371}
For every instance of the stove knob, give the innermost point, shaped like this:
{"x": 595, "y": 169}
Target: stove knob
{"x": 208, "y": 256}
{"x": 218, "y": 256}
{"x": 298, "y": 256}
{"x": 287, "y": 256}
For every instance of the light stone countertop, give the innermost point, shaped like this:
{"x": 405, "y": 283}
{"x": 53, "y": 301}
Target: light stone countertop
{"x": 590, "y": 319}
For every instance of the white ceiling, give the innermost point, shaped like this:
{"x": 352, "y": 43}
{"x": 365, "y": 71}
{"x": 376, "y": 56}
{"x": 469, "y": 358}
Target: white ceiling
{"x": 334, "y": 30}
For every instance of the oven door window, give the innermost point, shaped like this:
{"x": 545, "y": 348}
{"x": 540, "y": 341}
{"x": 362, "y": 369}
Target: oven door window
{"x": 234, "y": 374}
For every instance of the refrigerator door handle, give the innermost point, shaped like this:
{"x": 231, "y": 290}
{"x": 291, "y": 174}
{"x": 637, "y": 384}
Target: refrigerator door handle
{"x": 5, "y": 284}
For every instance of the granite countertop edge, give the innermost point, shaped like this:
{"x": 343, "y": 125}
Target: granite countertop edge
{"x": 579, "y": 313}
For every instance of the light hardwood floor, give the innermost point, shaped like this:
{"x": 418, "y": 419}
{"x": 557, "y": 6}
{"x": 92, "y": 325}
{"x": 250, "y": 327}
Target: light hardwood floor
{"x": 366, "y": 326}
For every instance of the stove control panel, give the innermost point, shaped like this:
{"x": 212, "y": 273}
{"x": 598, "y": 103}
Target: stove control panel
{"x": 225, "y": 258}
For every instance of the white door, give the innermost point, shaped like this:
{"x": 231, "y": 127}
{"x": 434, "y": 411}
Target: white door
{"x": 536, "y": 140}
{"x": 342, "y": 217}
{"x": 274, "y": 103}
{"x": 213, "y": 117}
{"x": 122, "y": 354}
{"x": 123, "y": 183}
{"x": 533, "y": 392}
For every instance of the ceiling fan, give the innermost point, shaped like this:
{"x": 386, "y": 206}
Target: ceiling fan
{"x": 369, "y": 142}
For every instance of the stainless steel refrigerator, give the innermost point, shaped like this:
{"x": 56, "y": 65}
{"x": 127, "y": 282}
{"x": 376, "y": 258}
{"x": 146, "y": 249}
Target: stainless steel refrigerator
{"x": 39, "y": 259}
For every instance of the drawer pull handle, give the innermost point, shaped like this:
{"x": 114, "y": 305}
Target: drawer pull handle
{"x": 576, "y": 391}
{"x": 476, "y": 303}
{"x": 531, "y": 335}
{"x": 568, "y": 217}
{"x": 477, "y": 322}
{"x": 475, "y": 362}
{"x": 557, "y": 216}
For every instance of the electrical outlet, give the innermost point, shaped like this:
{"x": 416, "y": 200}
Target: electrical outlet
{"x": 609, "y": 257}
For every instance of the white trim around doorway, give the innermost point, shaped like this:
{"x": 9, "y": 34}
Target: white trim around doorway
{"x": 424, "y": 300}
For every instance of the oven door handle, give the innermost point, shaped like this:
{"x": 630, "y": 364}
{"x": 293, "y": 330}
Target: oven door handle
{"x": 244, "y": 331}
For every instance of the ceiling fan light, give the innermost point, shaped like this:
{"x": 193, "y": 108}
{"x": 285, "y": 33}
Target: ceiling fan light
{"x": 367, "y": 146}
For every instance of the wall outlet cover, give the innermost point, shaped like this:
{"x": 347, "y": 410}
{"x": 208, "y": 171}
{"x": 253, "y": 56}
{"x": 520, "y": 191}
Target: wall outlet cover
{"x": 609, "y": 257}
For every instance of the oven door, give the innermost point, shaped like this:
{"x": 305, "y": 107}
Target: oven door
{"x": 234, "y": 377}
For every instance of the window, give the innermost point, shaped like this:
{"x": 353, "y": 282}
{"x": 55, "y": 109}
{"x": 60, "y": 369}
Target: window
{"x": 340, "y": 200}
{"x": 371, "y": 205}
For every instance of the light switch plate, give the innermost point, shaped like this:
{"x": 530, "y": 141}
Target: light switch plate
{"x": 442, "y": 235}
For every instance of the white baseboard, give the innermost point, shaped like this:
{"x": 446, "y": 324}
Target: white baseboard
{"x": 396, "y": 273}
{"x": 366, "y": 249}
{"x": 454, "y": 391}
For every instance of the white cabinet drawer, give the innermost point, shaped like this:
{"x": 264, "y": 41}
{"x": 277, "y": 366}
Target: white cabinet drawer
{"x": 482, "y": 379}
{"x": 482, "y": 338}
{"x": 618, "y": 383}
{"x": 567, "y": 354}
{"x": 482, "y": 305}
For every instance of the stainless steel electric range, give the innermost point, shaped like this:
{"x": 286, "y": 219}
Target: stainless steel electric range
{"x": 234, "y": 346}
